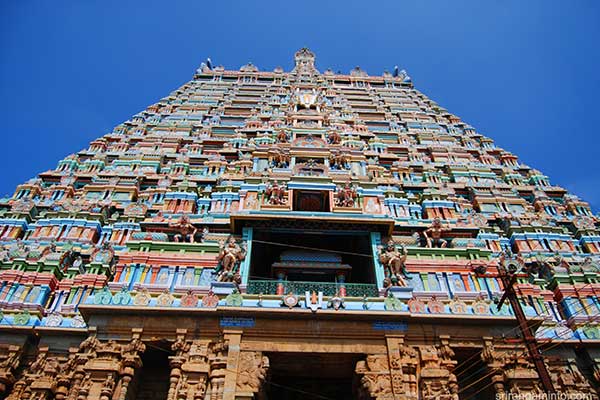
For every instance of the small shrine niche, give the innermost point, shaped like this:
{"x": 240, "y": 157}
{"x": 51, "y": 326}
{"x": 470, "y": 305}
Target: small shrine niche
{"x": 310, "y": 166}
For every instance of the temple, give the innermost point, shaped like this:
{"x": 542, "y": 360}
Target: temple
{"x": 294, "y": 235}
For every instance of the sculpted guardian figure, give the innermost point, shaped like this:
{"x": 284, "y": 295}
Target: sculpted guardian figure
{"x": 393, "y": 260}
{"x": 229, "y": 258}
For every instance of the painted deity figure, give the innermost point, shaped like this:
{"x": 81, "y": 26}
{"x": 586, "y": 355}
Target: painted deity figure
{"x": 334, "y": 138}
{"x": 4, "y": 254}
{"x": 394, "y": 261}
{"x": 557, "y": 264}
{"x": 346, "y": 196}
{"x": 104, "y": 253}
{"x": 339, "y": 162}
{"x": 229, "y": 259}
{"x": 50, "y": 249}
{"x": 279, "y": 160}
{"x": 185, "y": 229}
{"x": 433, "y": 234}
{"x": 282, "y": 137}
{"x": 275, "y": 194}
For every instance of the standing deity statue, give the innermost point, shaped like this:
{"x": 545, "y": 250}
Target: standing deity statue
{"x": 393, "y": 260}
{"x": 186, "y": 230}
{"x": 433, "y": 234}
{"x": 275, "y": 194}
{"x": 229, "y": 259}
{"x": 346, "y": 196}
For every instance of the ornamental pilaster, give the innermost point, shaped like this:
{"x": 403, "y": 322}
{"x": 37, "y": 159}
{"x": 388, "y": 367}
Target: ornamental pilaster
{"x": 567, "y": 378}
{"x": 510, "y": 370}
{"x": 403, "y": 365}
{"x": 10, "y": 358}
{"x": 436, "y": 380}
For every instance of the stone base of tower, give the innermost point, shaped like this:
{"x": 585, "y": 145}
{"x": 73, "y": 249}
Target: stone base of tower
{"x": 205, "y": 356}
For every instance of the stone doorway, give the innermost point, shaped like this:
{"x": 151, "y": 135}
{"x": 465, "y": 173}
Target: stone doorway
{"x": 311, "y": 376}
{"x": 471, "y": 373}
{"x": 152, "y": 379}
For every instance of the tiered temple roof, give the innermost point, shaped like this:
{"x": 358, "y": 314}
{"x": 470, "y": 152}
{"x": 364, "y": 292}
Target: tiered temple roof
{"x": 143, "y": 216}
{"x": 231, "y": 149}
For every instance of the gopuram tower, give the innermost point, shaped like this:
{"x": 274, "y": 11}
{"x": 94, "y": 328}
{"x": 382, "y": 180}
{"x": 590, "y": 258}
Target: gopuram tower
{"x": 295, "y": 235}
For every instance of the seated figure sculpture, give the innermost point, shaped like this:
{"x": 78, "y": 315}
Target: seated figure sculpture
{"x": 433, "y": 234}
{"x": 186, "y": 230}
{"x": 282, "y": 137}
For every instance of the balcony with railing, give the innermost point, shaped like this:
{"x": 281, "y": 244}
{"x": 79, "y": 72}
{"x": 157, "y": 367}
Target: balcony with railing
{"x": 300, "y": 287}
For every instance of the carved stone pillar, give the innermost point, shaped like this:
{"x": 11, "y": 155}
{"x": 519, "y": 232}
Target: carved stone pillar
{"x": 194, "y": 371}
{"x": 375, "y": 378}
{"x": 103, "y": 364}
{"x": 218, "y": 369}
{"x": 46, "y": 377}
{"x": 103, "y": 370}
{"x": 390, "y": 376}
{"x": 17, "y": 390}
{"x": 436, "y": 380}
{"x": 198, "y": 368}
{"x": 78, "y": 373}
{"x": 495, "y": 364}
{"x": 10, "y": 358}
{"x": 233, "y": 339}
{"x": 567, "y": 378}
{"x": 130, "y": 361}
{"x": 448, "y": 361}
{"x": 180, "y": 347}
{"x": 403, "y": 362}
{"x": 108, "y": 387}
{"x": 63, "y": 382}
{"x": 512, "y": 372}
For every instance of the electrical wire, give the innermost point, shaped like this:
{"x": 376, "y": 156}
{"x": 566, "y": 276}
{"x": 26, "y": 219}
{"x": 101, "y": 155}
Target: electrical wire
{"x": 476, "y": 354}
{"x": 583, "y": 309}
{"x": 490, "y": 373}
{"x": 314, "y": 395}
{"x": 521, "y": 355}
{"x": 313, "y": 248}
{"x": 526, "y": 351}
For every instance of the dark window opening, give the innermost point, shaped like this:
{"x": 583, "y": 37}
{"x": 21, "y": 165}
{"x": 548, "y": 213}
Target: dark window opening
{"x": 309, "y": 200}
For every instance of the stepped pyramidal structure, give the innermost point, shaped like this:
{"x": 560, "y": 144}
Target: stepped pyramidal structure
{"x": 295, "y": 235}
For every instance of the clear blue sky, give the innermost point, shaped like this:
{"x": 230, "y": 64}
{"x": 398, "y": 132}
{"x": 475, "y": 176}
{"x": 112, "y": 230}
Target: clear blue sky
{"x": 526, "y": 73}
